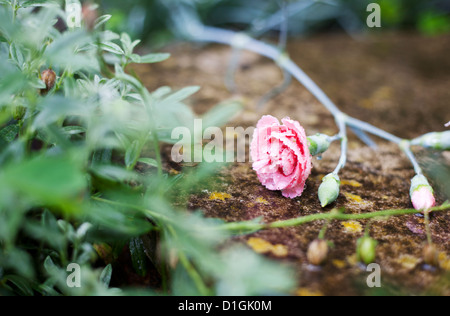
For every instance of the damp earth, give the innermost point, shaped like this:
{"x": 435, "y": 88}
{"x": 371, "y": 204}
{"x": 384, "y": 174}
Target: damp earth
{"x": 398, "y": 82}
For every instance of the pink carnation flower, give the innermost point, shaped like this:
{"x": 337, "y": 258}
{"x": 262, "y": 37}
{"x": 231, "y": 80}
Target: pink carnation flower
{"x": 281, "y": 156}
{"x": 423, "y": 199}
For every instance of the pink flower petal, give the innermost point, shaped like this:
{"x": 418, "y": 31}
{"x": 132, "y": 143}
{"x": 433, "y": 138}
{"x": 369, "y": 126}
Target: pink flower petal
{"x": 281, "y": 155}
{"x": 267, "y": 121}
{"x": 423, "y": 199}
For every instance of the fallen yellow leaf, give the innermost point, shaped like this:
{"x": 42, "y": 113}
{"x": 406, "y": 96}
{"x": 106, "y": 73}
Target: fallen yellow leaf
{"x": 262, "y": 246}
{"x": 219, "y": 196}
{"x": 352, "y": 227}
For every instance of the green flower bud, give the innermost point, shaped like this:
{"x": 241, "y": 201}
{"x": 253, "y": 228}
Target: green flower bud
{"x": 329, "y": 189}
{"x": 317, "y": 252}
{"x": 439, "y": 141}
{"x": 418, "y": 182}
{"x": 318, "y": 144}
{"x": 366, "y": 250}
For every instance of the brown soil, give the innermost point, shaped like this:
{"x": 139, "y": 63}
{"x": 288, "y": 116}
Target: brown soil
{"x": 398, "y": 82}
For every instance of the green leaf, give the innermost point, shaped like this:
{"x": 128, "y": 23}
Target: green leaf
{"x": 22, "y": 284}
{"x": 181, "y": 95}
{"x": 113, "y": 173}
{"x": 246, "y": 273}
{"x": 119, "y": 221}
{"x": 57, "y": 107}
{"x": 161, "y": 92}
{"x": 37, "y": 83}
{"x": 138, "y": 257}
{"x": 74, "y": 130}
{"x": 105, "y": 277}
{"x": 50, "y": 266}
{"x": 149, "y": 161}
{"x": 132, "y": 153}
{"x": 64, "y": 51}
{"x": 16, "y": 55}
{"x": 102, "y": 20}
{"x": 82, "y": 231}
{"x": 38, "y": 3}
{"x": 124, "y": 141}
{"x": 150, "y": 58}
{"x": 130, "y": 80}
{"x": 126, "y": 44}
{"x": 18, "y": 261}
{"x": 112, "y": 48}
{"x": 221, "y": 114}
{"x": 50, "y": 180}
{"x": 9, "y": 133}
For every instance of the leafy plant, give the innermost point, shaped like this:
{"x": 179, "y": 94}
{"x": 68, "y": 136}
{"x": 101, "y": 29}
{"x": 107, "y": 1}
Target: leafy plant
{"x": 74, "y": 125}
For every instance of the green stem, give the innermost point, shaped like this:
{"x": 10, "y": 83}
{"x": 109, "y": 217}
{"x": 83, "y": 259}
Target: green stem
{"x": 406, "y": 147}
{"x": 149, "y": 104}
{"x": 14, "y": 4}
{"x": 195, "y": 276}
{"x": 324, "y": 229}
{"x": 340, "y": 119}
{"x": 61, "y": 79}
{"x": 347, "y": 217}
{"x": 142, "y": 142}
{"x": 333, "y": 215}
{"x": 367, "y": 231}
{"x": 190, "y": 269}
{"x": 427, "y": 227}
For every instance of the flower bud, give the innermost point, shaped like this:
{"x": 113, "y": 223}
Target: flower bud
{"x": 366, "y": 250}
{"x": 421, "y": 193}
{"x": 439, "y": 141}
{"x": 431, "y": 255}
{"x": 329, "y": 189}
{"x": 48, "y": 77}
{"x": 318, "y": 144}
{"x": 317, "y": 252}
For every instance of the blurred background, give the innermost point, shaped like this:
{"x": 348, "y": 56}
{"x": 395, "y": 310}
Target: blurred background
{"x": 152, "y": 19}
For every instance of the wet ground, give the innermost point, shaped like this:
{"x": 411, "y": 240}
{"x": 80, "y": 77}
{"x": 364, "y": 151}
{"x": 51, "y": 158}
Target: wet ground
{"x": 399, "y": 82}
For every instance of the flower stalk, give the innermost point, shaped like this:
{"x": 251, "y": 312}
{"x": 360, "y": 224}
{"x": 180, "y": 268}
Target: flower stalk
{"x": 252, "y": 226}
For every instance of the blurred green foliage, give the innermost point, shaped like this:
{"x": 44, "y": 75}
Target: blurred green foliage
{"x": 70, "y": 191}
{"x": 152, "y": 19}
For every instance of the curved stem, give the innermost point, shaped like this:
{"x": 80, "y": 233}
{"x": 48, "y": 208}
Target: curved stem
{"x": 344, "y": 143}
{"x": 353, "y": 122}
{"x": 406, "y": 147}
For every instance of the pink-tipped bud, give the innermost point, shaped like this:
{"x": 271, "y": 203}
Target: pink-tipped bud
{"x": 422, "y": 193}
{"x": 423, "y": 199}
